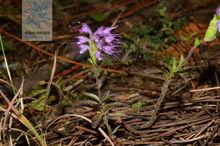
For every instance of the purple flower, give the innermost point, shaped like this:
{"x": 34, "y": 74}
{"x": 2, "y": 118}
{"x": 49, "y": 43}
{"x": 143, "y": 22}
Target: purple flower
{"x": 218, "y": 25}
{"x": 109, "y": 38}
{"x": 85, "y": 29}
{"x": 104, "y": 40}
{"x": 218, "y": 11}
{"x": 98, "y": 55}
{"x": 82, "y": 40}
{"x": 83, "y": 48}
{"x": 109, "y": 49}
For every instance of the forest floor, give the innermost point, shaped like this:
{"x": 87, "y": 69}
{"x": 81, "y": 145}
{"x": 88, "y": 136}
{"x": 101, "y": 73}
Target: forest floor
{"x": 53, "y": 89}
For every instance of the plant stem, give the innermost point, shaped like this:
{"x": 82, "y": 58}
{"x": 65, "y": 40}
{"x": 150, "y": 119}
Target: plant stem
{"x": 158, "y": 105}
{"x": 191, "y": 51}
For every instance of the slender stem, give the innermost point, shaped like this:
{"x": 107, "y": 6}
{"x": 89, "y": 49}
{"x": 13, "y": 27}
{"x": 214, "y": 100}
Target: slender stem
{"x": 191, "y": 51}
{"x": 158, "y": 105}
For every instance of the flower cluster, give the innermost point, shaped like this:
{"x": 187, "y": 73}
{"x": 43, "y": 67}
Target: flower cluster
{"x": 101, "y": 42}
{"x": 218, "y": 23}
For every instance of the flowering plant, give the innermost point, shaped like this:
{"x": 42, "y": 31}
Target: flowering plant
{"x": 101, "y": 42}
{"x": 174, "y": 68}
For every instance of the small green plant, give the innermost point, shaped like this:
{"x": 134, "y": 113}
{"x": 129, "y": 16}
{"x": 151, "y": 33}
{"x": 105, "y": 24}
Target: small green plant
{"x": 174, "y": 67}
{"x": 145, "y": 40}
{"x": 40, "y": 95}
{"x": 138, "y": 105}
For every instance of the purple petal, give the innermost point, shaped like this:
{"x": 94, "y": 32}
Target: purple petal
{"x": 96, "y": 37}
{"x": 218, "y": 26}
{"x": 99, "y": 45}
{"x": 98, "y": 55}
{"x": 85, "y": 29}
{"x": 83, "y": 48}
{"x": 109, "y": 50}
{"x": 218, "y": 11}
{"x": 82, "y": 39}
{"x": 108, "y": 30}
{"x": 109, "y": 38}
{"x": 99, "y": 31}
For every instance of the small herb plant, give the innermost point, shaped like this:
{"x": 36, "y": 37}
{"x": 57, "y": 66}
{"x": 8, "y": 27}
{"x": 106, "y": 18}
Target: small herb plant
{"x": 101, "y": 44}
{"x": 175, "y": 67}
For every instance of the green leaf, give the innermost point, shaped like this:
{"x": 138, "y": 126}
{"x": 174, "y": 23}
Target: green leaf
{"x": 181, "y": 63}
{"x": 38, "y": 92}
{"x": 38, "y": 104}
{"x": 197, "y": 42}
{"x": 182, "y": 60}
{"x": 92, "y": 96}
{"x": 138, "y": 105}
{"x": 162, "y": 8}
{"x": 174, "y": 64}
{"x": 169, "y": 62}
{"x": 98, "y": 17}
{"x": 212, "y": 30}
